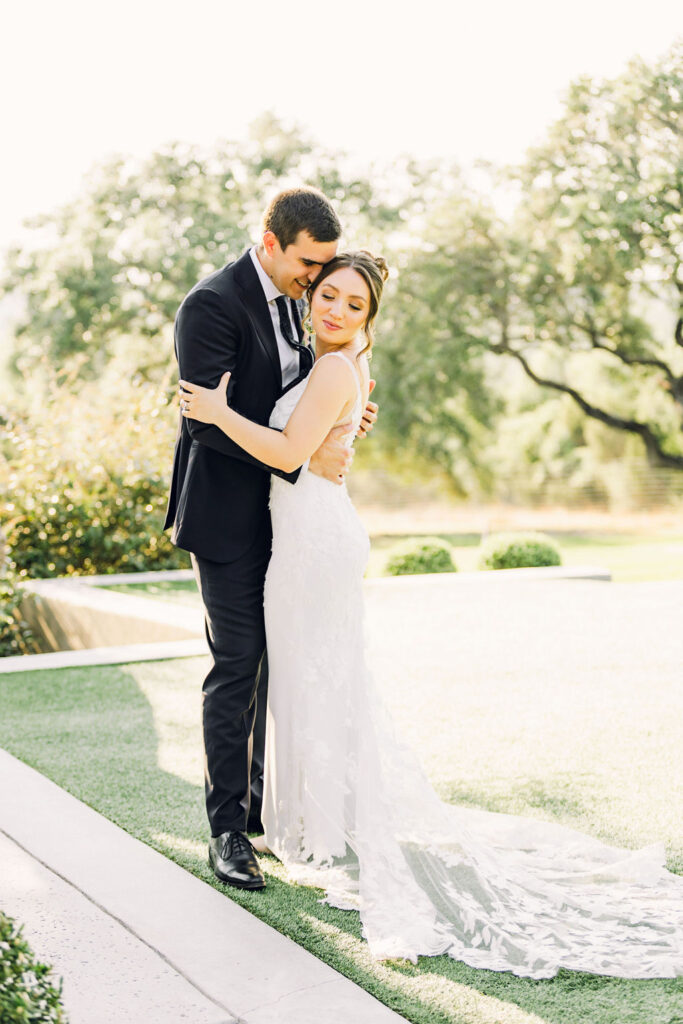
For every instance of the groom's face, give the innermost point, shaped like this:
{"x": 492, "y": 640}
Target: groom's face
{"x": 293, "y": 268}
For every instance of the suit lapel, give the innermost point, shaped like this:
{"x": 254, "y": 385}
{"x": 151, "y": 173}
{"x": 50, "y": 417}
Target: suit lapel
{"x": 257, "y": 308}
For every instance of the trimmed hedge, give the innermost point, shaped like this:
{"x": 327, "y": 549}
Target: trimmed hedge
{"x": 27, "y": 992}
{"x": 518, "y": 551}
{"x": 424, "y": 556}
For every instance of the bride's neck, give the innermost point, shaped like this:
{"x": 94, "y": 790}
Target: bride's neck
{"x": 322, "y": 349}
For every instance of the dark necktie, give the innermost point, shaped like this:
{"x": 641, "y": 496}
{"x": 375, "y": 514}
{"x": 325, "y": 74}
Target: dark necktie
{"x": 285, "y": 322}
{"x": 305, "y": 355}
{"x": 297, "y": 321}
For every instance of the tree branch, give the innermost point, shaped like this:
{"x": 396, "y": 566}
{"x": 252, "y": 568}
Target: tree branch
{"x": 675, "y": 383}
{"x": 655, "y": 454}
{"x": 636, "y": 360}
{"x": 671, "y": 125}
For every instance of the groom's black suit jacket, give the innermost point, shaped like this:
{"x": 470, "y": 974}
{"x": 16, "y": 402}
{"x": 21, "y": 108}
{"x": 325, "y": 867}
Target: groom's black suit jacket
{"x": 219, "y": 494}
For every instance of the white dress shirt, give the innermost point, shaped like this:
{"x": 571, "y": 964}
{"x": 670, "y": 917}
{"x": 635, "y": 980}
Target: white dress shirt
{"x": 289, "y": 357}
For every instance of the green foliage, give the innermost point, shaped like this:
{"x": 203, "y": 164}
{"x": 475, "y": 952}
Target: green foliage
{"x": 595, "y": 281}
{"x": 437, "y": 405}
{"x": 106, "y": 274}
{"x": 582, "y": 286}
{"x": 16, "y": 636}
{"x": 86, "y": 475}
{"x": 579, "y": 288}
{"x": 27, "y": 994}
{"x": 518, "y": 551}
{"x": 426, "y": 555}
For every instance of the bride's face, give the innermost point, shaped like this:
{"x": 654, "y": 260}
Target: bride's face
{"x": 340, "y": 306}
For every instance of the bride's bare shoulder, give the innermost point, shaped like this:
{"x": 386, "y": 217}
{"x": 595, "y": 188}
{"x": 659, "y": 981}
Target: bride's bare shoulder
{"x": 328, "y": 372}
{"x": 331, "y": 364}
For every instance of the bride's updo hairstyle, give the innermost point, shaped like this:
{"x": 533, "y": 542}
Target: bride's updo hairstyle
{"x": 373, "y": 270}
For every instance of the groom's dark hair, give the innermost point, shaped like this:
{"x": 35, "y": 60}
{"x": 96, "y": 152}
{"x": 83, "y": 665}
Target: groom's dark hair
{"x": 301, "y": 209}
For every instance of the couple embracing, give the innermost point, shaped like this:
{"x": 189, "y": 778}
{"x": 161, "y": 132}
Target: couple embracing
{"x": 297, "y": 744}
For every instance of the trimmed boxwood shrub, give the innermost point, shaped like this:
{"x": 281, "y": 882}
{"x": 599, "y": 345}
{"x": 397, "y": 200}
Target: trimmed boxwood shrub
{"x": 27, "y": 992}
{"x": 518, "y": 551}
{"x": 423, "y": 556}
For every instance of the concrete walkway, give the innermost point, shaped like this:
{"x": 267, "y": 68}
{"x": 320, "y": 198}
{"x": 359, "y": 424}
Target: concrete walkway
{"x": 138, "y": 939}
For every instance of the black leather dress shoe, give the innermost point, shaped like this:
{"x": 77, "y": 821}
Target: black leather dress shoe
{"x": 233, "y": 860}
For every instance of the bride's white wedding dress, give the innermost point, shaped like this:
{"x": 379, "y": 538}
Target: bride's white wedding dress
{"x": 348, "y": 809}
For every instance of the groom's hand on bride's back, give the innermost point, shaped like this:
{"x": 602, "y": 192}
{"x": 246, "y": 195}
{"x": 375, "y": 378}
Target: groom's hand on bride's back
{"x": 369, "y": 416}
{"x": 333, "y": 458}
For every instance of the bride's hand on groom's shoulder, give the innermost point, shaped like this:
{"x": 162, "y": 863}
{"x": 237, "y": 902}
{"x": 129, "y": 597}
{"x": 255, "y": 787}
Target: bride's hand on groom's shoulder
{"x": 369, "y": 416}
{"x": 203, "y": 404}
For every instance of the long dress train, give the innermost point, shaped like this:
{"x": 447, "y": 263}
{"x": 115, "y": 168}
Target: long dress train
{"x": 347, "y": 807}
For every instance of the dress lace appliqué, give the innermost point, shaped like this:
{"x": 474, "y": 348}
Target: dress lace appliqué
{"x": 347, "y": 807}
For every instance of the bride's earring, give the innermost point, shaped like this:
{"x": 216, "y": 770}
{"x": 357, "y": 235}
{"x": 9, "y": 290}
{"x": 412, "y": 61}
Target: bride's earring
{"x": 307, "y": 325}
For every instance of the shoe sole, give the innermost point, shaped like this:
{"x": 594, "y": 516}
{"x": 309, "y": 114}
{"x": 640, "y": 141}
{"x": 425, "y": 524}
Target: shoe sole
{"x": 253, "y": 886}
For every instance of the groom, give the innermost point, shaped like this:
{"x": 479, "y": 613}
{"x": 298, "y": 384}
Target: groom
{"x": 245, "y": 318}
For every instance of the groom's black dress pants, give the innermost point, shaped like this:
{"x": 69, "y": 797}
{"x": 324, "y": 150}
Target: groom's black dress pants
{"x": 235, "y": 689}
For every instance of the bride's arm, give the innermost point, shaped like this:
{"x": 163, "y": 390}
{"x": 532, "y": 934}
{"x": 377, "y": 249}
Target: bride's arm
{"x": 327, "y": 392}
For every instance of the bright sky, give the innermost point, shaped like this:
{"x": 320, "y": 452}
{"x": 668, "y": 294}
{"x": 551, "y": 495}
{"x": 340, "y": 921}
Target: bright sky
{"x": 82, "y": 79}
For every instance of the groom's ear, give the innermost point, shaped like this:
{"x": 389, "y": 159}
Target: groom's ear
{"x": 371, "y": 386}
{"x": 269, "y": 242}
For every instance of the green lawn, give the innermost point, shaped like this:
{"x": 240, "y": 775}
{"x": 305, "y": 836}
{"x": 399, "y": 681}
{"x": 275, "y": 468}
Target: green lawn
{"x": 126, "y": 740}
{"x": 629, "y": 558}
{"x": 178, "y": 591}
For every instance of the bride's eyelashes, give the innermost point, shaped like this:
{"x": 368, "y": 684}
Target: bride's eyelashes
{"x": 329, "y": 298}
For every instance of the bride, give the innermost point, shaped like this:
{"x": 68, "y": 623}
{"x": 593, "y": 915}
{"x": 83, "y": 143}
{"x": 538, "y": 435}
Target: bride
{"x": 346, "y": 807}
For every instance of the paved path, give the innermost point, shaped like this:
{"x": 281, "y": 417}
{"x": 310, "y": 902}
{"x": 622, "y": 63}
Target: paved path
{"x": 111, "y": 974}
{"x": 139, "y": 940}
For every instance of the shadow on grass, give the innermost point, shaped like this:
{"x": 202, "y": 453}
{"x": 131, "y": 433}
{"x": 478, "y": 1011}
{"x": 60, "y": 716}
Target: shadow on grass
{"x": 557, "y": 801}
{"x": 93, "y": 731}
{"x": 553, "y": 798}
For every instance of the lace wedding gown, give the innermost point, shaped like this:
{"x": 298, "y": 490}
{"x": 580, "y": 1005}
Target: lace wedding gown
{"x": 348, "y": 809}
